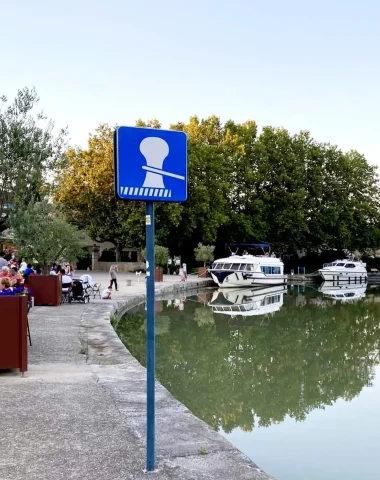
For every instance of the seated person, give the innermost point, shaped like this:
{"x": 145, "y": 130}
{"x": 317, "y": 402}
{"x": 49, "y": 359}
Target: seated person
{"x": 28, "y": 271}
{"x": 14, "y": 277}
{"x": 5, "y": 286}
{"x": 4, "y": 272}
{"x": 67, "y": 281}
{"x": 106, "y": 295}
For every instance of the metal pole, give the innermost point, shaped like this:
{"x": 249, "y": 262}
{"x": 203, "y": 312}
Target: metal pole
{"x": 150, "y": 338}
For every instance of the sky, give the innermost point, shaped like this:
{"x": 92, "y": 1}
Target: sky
{"x": 295, "y": 64}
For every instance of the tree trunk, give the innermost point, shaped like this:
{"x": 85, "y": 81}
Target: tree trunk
{"x": 119, "y": 249}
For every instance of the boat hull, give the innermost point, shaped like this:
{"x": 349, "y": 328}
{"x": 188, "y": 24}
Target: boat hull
{"x": 230, "y": 279}
{"x": 338, "y": 276}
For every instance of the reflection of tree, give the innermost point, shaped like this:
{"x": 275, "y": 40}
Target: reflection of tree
{"x": 162, "y": 324}
{"x": 231, "y": 377}
{"x": 203, "y": 316}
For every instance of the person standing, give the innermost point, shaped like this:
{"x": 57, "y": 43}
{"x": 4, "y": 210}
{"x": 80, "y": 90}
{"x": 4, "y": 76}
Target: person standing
{"x": 181, "y": 274}
{"x": 23, "y": 265}
{"x": 113, "y": 276}
{"x": 3, "y": 262}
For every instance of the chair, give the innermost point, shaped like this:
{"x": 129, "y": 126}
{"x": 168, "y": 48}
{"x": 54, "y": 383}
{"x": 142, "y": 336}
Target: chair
{"x": 66, "y": 293}
{"x": 27, "y": 323}
{"x": 96, "y": 290}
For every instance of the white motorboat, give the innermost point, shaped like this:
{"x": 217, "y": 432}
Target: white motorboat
{"x": 246, "y": 270}
{"x": 344, "y": 270}
{"x": 248, "y": 302}
{"x": 343, "y": 292}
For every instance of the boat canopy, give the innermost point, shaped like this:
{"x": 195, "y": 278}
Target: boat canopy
{"x": 261, "y": 245}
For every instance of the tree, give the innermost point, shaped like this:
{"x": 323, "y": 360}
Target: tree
{"x": 41, "y": 232}
{"x": 288, "y": 190}
{"x": 161, "y": 255}
{"x": 30, "y": 154}
{"x": 204, "y": 253}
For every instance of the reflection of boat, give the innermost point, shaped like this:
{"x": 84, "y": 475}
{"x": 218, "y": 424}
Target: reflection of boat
{"x": 246, "y": 270}
{"x": 343, "y": 293}
{"x": 248, "y": 302}
{"x": 344, "y": 270}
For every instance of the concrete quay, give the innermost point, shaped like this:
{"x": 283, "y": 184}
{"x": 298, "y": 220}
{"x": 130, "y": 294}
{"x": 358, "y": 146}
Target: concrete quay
{"x": 80, "y": 411}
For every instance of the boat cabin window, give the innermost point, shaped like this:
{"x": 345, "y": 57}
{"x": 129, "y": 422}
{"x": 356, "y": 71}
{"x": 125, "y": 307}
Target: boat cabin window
{"x": 227, "y": 266}
{"x": 235, "y": 266}
{"x": 270, "y": 300}
{"x": 349, "y": 295}
{"x": 340, "y": 264}
{"x": 249, "y": 267}
{"x": 271, "y": 270}
{"x": 242, "y": 266}
{"x": 350, "y": 265}
{"x": 218, "y": 266}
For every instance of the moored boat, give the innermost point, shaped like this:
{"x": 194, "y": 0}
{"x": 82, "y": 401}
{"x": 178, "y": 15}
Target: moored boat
{"x": 344, "y": 270}
{"x": 247, "y": 270}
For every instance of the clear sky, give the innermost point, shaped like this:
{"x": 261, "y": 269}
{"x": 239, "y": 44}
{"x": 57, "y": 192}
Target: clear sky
{"x": 295, "y": 63}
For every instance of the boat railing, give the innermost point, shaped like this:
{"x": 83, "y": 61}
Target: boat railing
{"x": 235, "y": 308}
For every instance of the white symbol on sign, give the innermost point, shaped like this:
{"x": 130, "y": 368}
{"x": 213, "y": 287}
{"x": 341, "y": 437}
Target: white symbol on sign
{"x": 155, "y": 150}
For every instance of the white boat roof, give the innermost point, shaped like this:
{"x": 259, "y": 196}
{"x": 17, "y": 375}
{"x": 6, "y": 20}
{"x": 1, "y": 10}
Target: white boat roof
{"x": 249, "y": 259}
{"x": 346, "y": 260}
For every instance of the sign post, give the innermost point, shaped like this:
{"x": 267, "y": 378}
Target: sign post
{"x": 139, "y": 175}
{"x": 150, "y": 336}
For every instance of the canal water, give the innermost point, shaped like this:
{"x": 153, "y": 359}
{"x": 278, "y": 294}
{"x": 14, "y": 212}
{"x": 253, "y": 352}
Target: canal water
{"x": 290, "y": 375}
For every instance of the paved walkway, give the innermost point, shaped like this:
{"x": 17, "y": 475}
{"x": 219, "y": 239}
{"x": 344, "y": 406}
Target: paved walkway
{"x": 79, "y": 412}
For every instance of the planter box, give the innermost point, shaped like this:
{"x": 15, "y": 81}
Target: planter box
{"x": 46, "y": 289}
{"x": 202, "y": 272}
{"x": 158, "y": 274}
{"x": 13, "y": 333}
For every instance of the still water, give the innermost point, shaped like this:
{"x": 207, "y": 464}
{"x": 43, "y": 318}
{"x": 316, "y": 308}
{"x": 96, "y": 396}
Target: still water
{"x": 290, "y": 375}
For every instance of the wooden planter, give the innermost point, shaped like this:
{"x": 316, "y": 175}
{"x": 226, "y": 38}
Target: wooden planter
{"x": 158, "y": 274}
{"x": 46, "y": 289}
{"x": 202, "y": 272}
{"x": 13, "y": 333}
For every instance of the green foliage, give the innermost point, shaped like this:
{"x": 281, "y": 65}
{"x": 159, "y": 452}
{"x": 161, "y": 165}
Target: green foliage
{"x": 204, "y": 253}
{"x": 243, "y": 186}
{"x": 40, "y": 232}
{"x": 30, "y": 153}
{"x": 161, "y": 255}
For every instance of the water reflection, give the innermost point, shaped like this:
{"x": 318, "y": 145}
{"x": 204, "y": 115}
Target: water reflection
{"x": 343, "y": 292}
{"x": 313, "y": 351}
{"x": 246, "y": 302}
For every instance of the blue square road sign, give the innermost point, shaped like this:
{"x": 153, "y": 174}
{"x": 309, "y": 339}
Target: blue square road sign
{"x": 150, "y": 164}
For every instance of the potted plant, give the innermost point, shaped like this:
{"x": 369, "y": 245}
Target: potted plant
{"x": 13, "y": 329}
{"x": 204, "y": 253}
